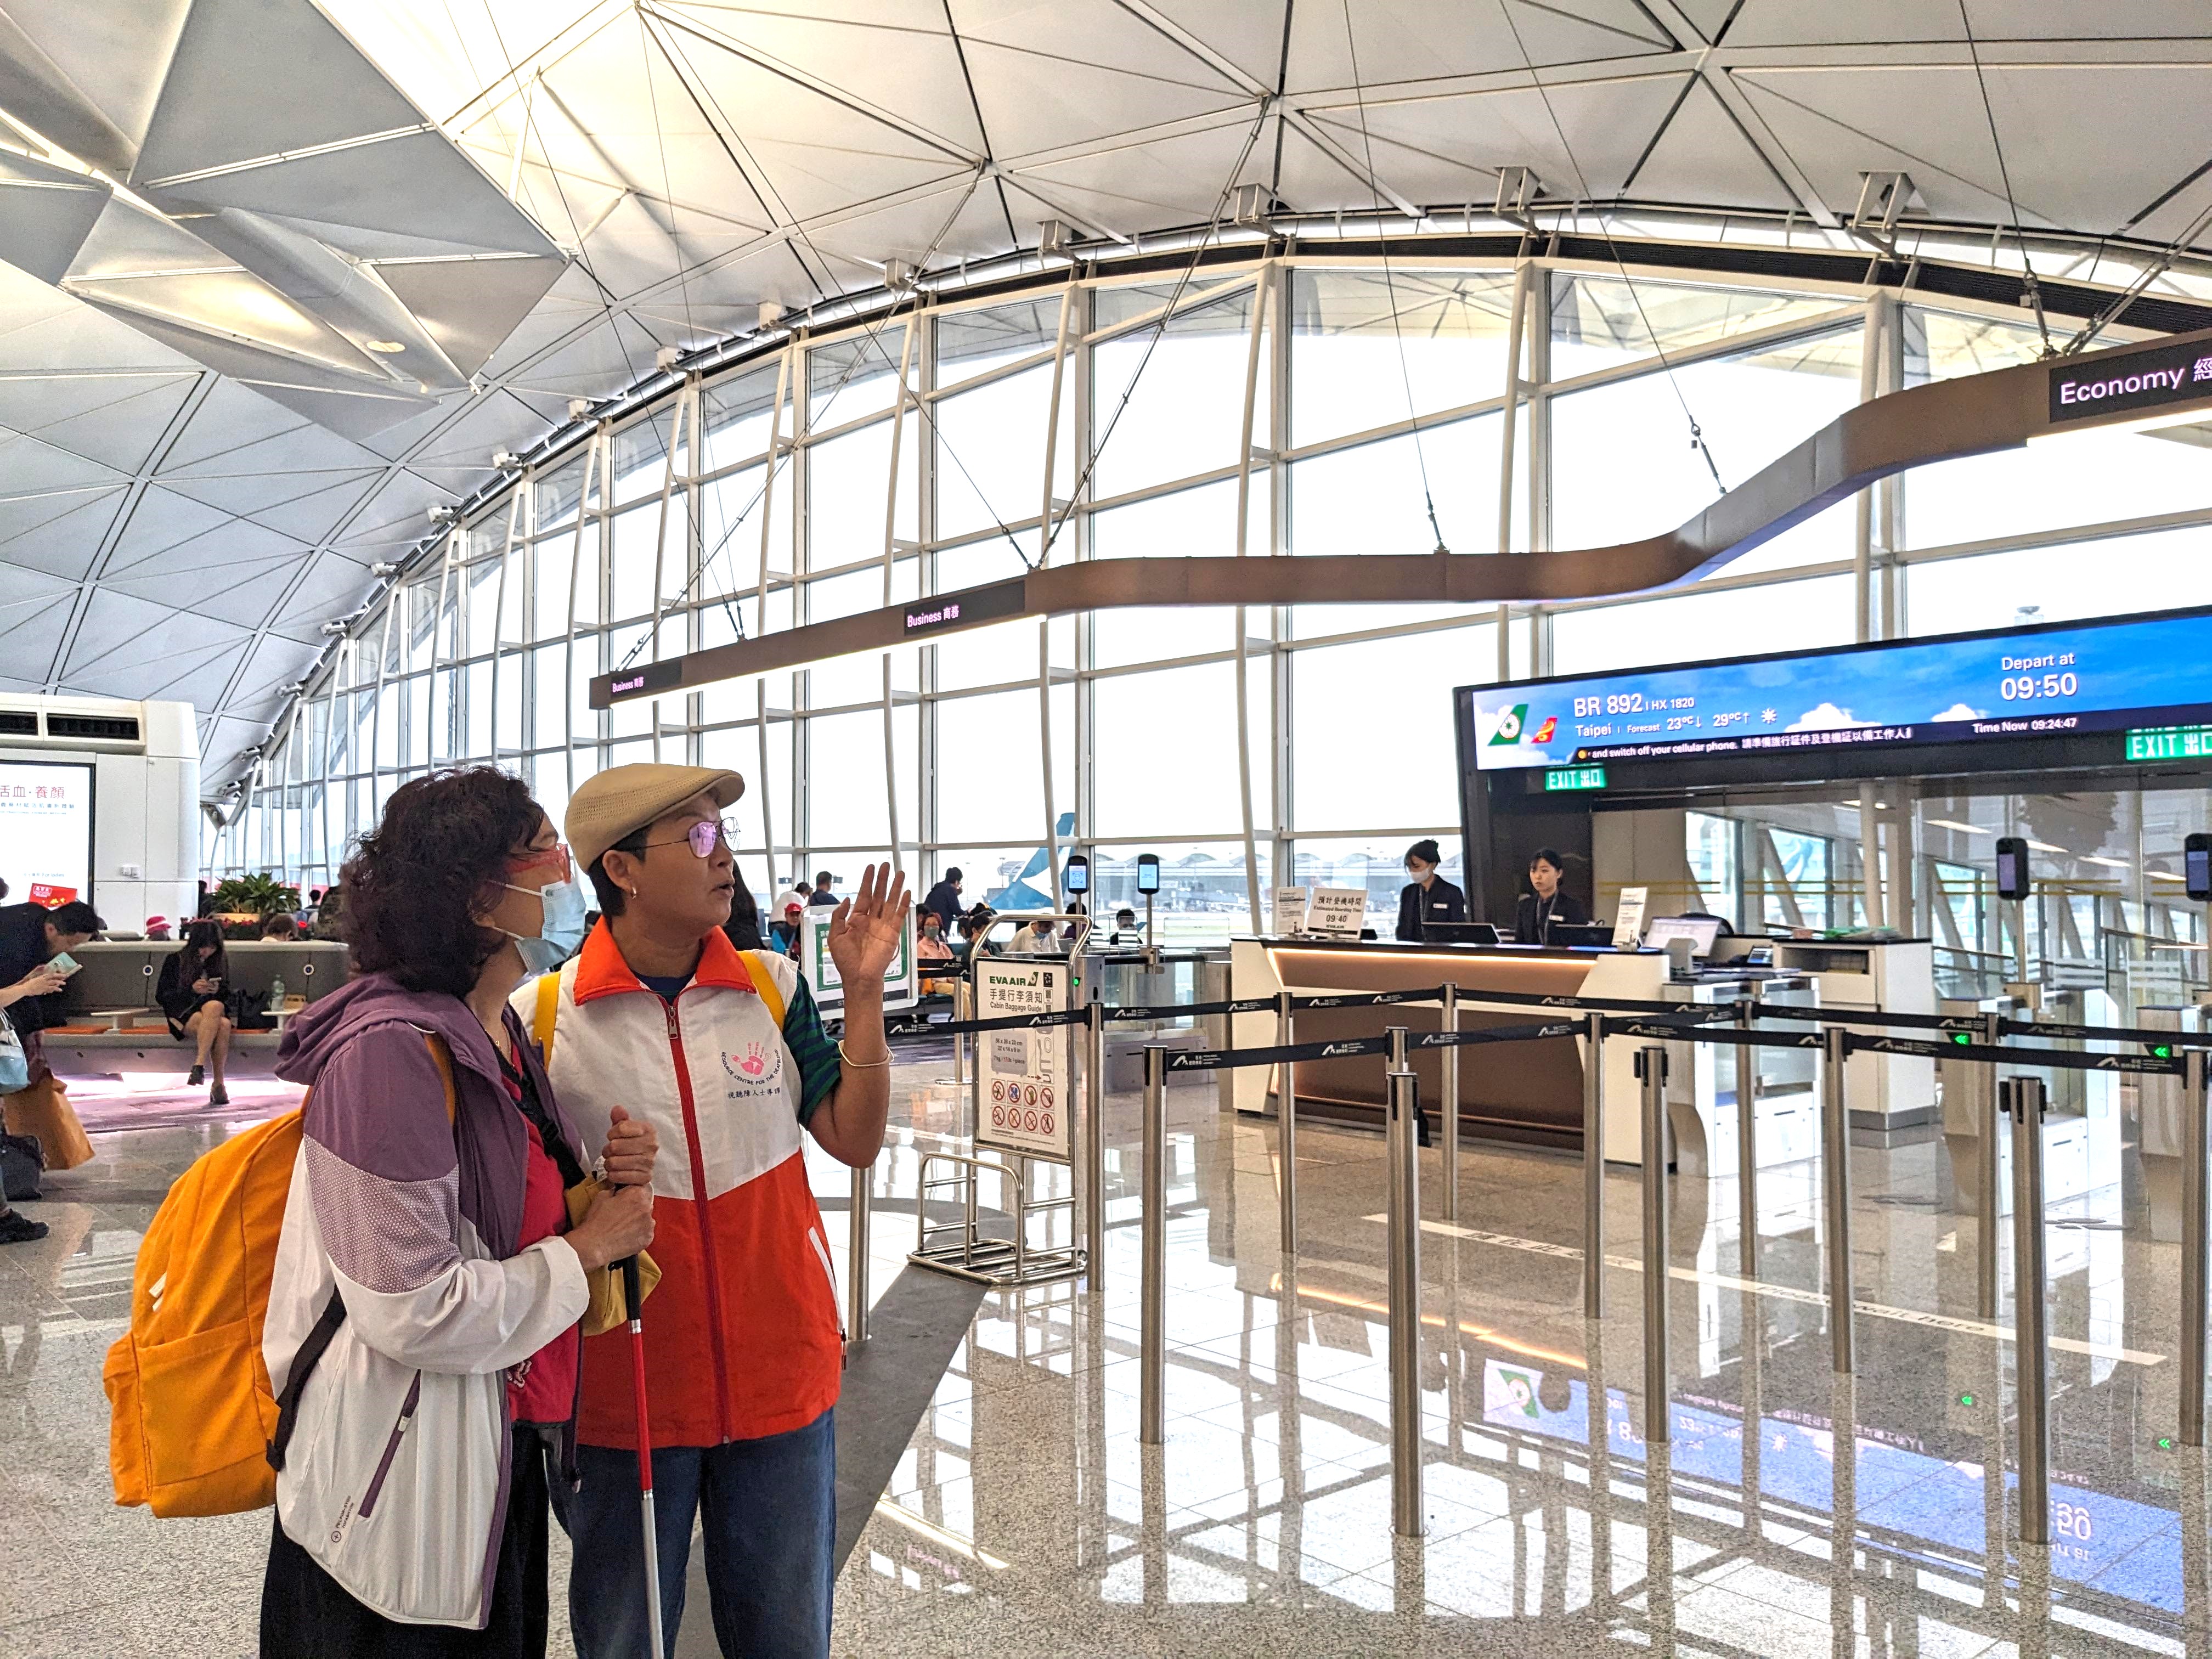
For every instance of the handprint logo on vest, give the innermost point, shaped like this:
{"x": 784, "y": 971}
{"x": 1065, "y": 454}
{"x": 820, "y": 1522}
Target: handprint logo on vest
{"x": 756, "y": 1069}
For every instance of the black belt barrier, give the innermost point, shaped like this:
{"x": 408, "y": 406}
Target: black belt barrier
{"x": 1193, "y": 1009}
{"x": 1015, "y": 1022}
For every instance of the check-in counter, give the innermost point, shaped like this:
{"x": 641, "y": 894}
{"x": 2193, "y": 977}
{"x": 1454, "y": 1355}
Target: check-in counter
{"x": 1530, "y": 1092}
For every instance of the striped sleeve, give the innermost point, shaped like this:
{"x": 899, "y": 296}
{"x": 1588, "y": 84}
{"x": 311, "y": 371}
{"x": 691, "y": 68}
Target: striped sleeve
{"x": 819, "y": 1067}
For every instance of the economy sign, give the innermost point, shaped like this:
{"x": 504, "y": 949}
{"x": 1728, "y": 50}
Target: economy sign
{"x": 2129, "y": 672}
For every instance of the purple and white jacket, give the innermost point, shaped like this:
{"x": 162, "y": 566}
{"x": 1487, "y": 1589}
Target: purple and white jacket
{"x": 396, "y": 1478}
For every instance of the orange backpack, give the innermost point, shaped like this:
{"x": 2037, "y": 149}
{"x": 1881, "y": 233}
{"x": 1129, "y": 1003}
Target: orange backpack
{"x": 195, "y": 1426}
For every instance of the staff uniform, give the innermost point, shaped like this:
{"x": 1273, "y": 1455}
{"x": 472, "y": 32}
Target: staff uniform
{"x": 1534, "y": 917}
{"x": 744, "y": 1338}
{"x": 1418, "y": 905}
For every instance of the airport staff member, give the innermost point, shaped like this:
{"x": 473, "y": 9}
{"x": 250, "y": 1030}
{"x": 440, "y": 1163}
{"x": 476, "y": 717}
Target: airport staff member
{"x": 1428, "y": 897}
{"x": 1546, "y": 903}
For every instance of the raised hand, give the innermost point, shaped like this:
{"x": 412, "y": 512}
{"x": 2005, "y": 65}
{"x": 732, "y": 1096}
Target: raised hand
{"x": 865, "y": 930}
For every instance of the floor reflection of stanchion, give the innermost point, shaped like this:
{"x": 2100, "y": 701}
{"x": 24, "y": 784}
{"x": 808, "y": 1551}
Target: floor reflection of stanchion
{"x": 2034, "y": 1640}
{"x": 2023, "y": 1097}
{"x": 1405, "y": 1217}
{"x": 1593, "y": 1168}
{"x": 1651, "y": 1073}
{"x": 1752, "y": 1375}
{"x": 1659, "y": 1542}
{"x": 2196, "y": 1617}
{"x": 1152, "y": 1357}
{"x": 1289, "y": 1426}
{"x": 1843, "y": 1536}
{"x": 1598, "y": 1413}
{"x": 1996, "y": 1560}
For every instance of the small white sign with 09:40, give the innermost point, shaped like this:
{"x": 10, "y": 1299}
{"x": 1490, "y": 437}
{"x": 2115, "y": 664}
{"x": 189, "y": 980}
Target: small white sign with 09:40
{"x": 1339, "y": 912}
{"x": 1022, "y": 1076}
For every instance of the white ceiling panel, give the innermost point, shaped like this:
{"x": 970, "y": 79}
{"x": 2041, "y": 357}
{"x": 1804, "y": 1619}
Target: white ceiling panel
{"x": 200, "y": 457}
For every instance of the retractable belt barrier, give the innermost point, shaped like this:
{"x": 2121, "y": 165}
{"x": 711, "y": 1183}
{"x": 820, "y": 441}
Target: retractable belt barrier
{"x": 2105, "y": 1034}
{"x": 2067, "y": 1060}
{"x": 1193, "y": 1009}
{"x": 1015, "y": 1022}
{"x": 1365, "y": 998}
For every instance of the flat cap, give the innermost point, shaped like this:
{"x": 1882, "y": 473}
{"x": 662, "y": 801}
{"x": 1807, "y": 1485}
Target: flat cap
{"x": 610, "y": 804}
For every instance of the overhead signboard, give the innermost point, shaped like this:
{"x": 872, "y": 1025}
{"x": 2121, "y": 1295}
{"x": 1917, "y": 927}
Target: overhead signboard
{"x": 2116, "y": 381}
{"x": 2114, "y": 675}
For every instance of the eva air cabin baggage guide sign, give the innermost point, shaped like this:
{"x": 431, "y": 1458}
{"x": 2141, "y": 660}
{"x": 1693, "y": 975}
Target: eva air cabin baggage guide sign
{"x": 1023, "y": 1076}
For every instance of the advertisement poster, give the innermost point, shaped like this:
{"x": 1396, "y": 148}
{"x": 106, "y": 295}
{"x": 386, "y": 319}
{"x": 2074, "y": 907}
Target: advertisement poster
{"x": 46, "y": 831}
{"x": 1021, "y": 1077}
{"x": 2139, "y": 672}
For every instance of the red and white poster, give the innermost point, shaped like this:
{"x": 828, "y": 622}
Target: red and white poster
{"x": 46, "y": 831}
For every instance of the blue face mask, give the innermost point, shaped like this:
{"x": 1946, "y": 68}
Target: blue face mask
{"x": 559, "y": 933}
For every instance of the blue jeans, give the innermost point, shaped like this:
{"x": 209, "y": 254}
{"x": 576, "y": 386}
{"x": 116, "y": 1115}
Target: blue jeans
{"x": 769, "y": 1513}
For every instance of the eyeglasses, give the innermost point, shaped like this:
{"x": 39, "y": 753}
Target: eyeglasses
{"x": 702, "y": 837}
{"x": 556, "y": 856}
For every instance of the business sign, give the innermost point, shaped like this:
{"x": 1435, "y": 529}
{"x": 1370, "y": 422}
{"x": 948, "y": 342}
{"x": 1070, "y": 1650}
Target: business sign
{"x": 1290, "y": 910}
{"x": 45, "y": 830}
{"x": 1022, "y": 1076}
{"x": 2058, "y": 680}
{"x": 2116, "y": 381}
{"x": 1628, "y": 917}
{"x": 1005, "y": 599}
{"x": 821, "y": 969}
{"x": 644, "y": 680}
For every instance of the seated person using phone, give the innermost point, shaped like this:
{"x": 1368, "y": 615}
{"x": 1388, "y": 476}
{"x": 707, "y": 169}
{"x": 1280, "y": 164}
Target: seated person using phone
{"x": 35, "y": 966}
{"x": 192, "y": 991}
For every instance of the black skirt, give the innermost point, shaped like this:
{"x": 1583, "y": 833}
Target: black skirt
{"x": 308, "y": 1614}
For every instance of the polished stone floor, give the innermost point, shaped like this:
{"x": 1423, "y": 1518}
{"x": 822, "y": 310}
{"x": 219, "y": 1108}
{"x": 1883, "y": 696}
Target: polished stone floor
{"x": 1026, "y": 1518}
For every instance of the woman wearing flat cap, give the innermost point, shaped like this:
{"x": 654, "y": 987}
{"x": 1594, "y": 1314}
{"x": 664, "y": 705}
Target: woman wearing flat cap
{"x": 724, "y": 1053}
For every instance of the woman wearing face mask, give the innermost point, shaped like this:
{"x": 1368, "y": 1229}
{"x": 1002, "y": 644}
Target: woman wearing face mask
{"x": 1546, "y": 905}
{"x": 1428, "y": 897}
{"x": 432, "y": 1254}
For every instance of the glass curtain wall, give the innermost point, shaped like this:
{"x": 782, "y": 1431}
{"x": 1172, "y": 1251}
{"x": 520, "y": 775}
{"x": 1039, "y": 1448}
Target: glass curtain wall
{"x": 1350, "y": 407}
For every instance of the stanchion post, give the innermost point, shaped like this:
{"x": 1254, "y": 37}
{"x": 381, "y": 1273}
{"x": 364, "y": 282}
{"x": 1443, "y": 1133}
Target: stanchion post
{"x": 1747, "y": 1140}
{"x": 1651, "y": 1073}
{"x": 1152, "y": 1357}
{"x": 1448, "y": 1108}
{"x": 1835, "y": 1179}
{"x": 1286, "y": 1125}
{"x": 1594, "y": 1171}
{"x": 1990, "y": 1172}
{"x": 2193, "y": 1220}
{"x": 1094, "y": 1139}
{"x": 1405, "y": 1302}
{"x": 2031, "y": 1340}
{"x": 856, "y": 1254}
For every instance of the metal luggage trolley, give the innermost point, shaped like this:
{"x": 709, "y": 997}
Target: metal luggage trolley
{"x": 1024, "y": 1063}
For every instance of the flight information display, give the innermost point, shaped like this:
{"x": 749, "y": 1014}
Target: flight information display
{"x": 2113, "y": 676}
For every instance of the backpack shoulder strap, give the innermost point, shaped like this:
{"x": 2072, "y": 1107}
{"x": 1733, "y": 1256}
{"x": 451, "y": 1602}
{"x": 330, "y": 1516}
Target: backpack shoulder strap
{"x": 441, "y": 1056}
{"x": 544, "y": 1017}
{"x": 763, "y": 978}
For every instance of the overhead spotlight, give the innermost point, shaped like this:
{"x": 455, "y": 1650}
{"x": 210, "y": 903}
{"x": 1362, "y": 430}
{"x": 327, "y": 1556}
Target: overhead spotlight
{"x": 579, "y": 407}
{"x": 505, "y": 458}
{"x": 769, "y": 313}
{"x": 666, "y": 358}
{"x": 292, "y": 689}
{"x": 899, "y": 277}
{"x": 383, "y": 567}
{"x": 1251, "y": 207}
{"x": 441, "y": 515}
{"x": 334, "y": 629}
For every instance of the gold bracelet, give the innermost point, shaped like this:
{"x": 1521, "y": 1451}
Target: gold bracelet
{"x": 862, "y": 1064}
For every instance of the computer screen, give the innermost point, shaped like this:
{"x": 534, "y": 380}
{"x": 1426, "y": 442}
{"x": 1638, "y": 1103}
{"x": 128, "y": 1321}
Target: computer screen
{"x": 1701, "y": 932}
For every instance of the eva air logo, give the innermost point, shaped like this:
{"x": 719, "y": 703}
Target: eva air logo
{"x": 1510, "y": 724}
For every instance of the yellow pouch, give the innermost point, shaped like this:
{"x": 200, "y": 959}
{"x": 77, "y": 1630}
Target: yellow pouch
{"x": 607, "y": 1311}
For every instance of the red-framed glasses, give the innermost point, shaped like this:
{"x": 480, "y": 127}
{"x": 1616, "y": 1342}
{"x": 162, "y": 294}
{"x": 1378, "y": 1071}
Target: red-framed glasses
{"x": 554, "y": 857}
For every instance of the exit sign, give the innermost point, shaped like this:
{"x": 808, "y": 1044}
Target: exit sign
{"x": 1582, "y": 777}
{"x": 2166, "y": 743}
